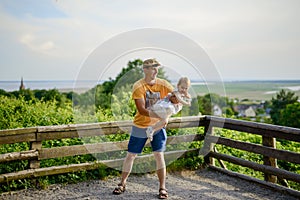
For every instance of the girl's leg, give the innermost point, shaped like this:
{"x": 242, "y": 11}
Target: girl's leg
{"x": 159, "y": 125}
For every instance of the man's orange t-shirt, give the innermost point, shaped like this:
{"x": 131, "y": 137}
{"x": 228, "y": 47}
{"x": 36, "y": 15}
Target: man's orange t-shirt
{"x": 150, "y": 94}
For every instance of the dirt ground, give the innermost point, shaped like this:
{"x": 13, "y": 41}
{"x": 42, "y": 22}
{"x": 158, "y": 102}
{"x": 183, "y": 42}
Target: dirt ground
{"x": 201, "y": 184}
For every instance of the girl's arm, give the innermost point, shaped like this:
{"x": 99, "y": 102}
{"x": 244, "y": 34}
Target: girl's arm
{"x": 181, "y": 100}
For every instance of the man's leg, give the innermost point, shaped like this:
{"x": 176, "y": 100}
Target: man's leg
{"x": 158, "y": 147}
{"x": 127, "y": 166}
{"x": 126, "y": 169}
{"x": 160, "y": 168}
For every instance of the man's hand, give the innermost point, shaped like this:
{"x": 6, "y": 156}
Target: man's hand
{"x": 174, "y": 99}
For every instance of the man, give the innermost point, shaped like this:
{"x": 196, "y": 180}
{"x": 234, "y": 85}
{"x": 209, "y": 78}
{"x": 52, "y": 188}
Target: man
{"x": 146, "y": 92}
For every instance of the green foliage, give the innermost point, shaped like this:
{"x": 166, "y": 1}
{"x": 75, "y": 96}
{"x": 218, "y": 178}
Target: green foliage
{"x": 290, "y": 116}
{"x": 19, "y": 113}
{"x": 43, "y": 95}
{"x": 206, "y": 103}
{"x": 283, "y": 98}
{"x": 101, "y": 95}
{"x": 294, "y": 147}
{"x": 192, "y": 161}
{"x": 122, "y": 105}
{"x": 127, "y": 76}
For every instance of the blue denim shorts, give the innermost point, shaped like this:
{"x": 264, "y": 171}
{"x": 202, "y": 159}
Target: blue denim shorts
{"x": 138, "y": 140}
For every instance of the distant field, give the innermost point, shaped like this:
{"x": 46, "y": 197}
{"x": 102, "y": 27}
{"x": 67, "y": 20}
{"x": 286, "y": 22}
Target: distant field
{"x": 254, "y": 90}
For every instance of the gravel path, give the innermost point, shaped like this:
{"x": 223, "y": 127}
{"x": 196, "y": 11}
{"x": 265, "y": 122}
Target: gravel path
{"x": 201, "y": 184}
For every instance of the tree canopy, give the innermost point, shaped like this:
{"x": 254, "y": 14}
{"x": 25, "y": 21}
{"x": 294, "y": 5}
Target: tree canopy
{"x": 279, "y": 103}
{"x": 290, "y": 116}
{"x": 101, "y": 95}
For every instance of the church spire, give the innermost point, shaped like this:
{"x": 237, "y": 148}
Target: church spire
{"x": 22, "y": 86}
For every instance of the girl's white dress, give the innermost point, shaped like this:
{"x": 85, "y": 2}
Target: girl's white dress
{"x": 164, "y": 107}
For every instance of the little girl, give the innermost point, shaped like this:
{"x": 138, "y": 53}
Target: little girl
{"x": 170, "y": 105}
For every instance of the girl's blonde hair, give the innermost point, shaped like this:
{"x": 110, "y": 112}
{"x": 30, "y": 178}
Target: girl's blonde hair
{"x": 184, "y": 80}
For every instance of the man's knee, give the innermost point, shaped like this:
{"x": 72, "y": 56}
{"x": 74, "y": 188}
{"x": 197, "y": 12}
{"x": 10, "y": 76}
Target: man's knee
{"x": 158, "y": 154}
{"x": 160, "y": 161}
{"x": 131, "y": 156}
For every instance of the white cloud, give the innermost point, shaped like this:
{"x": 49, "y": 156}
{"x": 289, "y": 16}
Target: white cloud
{"x": 42, "y": 47}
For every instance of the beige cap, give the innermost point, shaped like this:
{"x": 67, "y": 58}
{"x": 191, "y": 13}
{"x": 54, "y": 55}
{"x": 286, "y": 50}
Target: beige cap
{"x": 151, "y": 63}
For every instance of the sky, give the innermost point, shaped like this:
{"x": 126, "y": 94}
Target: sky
{"x": 94, "y": 39}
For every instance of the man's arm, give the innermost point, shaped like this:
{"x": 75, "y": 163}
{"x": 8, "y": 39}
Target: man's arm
{"x": 141, "y": 107}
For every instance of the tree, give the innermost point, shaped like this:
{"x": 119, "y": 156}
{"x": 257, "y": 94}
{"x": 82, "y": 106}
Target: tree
{"x": 27, "y": 94}
{"x": 3, "y": 93}
{"x": 126, "y": 77}
{"x": 101, "y": 95}
{"x": 122, "y": 105}
{"x": 283, "y": 98}
{"x": 207, "y": 102}
{"x": 290, "y": 116}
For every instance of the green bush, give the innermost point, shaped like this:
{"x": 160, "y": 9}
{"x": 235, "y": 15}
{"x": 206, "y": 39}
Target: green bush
{"x": 19, "y": 113}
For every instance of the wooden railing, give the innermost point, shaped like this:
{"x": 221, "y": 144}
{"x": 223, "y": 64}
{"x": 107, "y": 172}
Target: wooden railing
{"x": 36, "y": 135}
{"x": 267, "y": 149}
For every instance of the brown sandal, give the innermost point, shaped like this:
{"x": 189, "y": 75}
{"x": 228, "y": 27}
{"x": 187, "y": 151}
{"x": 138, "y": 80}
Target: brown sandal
{"x": 163, "y": 193}
{"x": 120, "y": 189}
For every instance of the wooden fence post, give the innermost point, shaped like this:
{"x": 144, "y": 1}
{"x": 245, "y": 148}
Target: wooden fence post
{"x": 34, "y": 164}
{"x": 208, "y": 145}
{"x": 270, "y": 142}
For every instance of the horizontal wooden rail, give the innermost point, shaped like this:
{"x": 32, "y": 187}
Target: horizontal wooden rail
{"x": 23, "y": 155}
{"x": 263, "y": 168}
{"x": 64, "y": 151}
{"x": 258, "y": 149}
{"x": 86, "y": 130}
{"x": 275, "y": 187}
{"x": 74, "y": 150}
{"x": 16, "y": 136}
{"x": 33, "y": 173}
{"x": 268, "y": 130}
